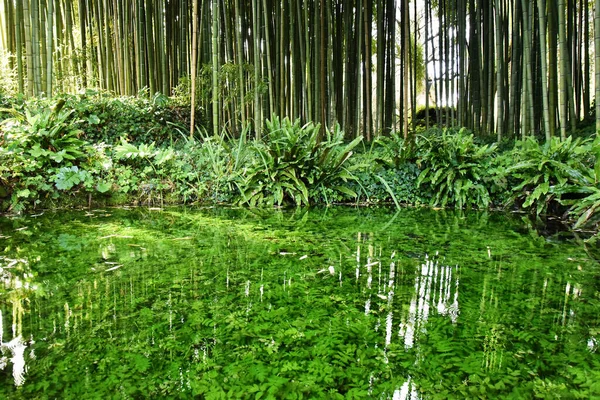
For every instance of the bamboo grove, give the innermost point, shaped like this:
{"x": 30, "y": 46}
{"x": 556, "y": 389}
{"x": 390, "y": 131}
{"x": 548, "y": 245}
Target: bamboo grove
{"x": 499, "y": 67}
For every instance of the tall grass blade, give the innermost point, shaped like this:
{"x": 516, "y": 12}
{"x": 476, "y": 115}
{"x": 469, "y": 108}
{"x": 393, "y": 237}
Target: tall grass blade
{"x": 389, "y": 190}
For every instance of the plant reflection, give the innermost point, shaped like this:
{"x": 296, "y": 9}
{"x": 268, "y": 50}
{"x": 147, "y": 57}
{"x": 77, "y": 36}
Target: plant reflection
{"x": 17, "y": 287}
{"x": 207, "y": 303}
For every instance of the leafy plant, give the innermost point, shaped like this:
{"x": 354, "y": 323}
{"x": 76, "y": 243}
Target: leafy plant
{"x": 376, "y": 183}
{"x": 38, "y": 142}
{"x": 295, "y": 163}
{"x": 540, "y": 174}
{"x": 148, "y": 152}
{"x": 47, "y": 135}
{"x": 67, "y": 177}
{"x": 140, "y": 119}
{"x": 393, "y": 151}
{"x": 454, "y": 168}
{"x": 584, "y": 211}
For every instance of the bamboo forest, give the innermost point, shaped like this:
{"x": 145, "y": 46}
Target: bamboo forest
{"x": 507, "y": 67}
{"x": 259, "y": 199}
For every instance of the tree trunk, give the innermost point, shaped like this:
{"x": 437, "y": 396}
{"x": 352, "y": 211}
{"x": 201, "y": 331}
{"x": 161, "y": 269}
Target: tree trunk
{"x": 19, "y": 44}
{"x": 405, "y": 70}
{"x": 49, "y": 42}
{"x": 516, "y": 77}
{"x": 597, "y": 58}
{"x": 563, "y": 63}
{"x": 474, "y": 66}
{"x": 548, "y": 129}
{"x": 193, "y": 64}
{"x": 257, "y": 74}
{"x": 529, "y": 120}
{"x": 240, "y": 60}
{"x": 215, "y": 67}
{"x": 499, "y": 72}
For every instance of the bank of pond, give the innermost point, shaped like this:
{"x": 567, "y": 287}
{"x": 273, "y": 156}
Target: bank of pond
{"x": 94, "y": 151}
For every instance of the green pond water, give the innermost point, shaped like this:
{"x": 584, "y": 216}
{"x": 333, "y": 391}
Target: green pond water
{"x": 347, "y": 303}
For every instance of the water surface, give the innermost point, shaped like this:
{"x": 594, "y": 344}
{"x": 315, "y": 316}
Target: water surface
{"x": 226, "y": 303}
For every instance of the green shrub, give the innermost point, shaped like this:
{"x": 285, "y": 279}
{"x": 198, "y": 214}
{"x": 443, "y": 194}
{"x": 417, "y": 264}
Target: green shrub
{"x": 454, "y": 168}
{"x": 393, "y": 151}
{"x": 539, "y": 175}
{"x": 6, "y": 105}
{"x": 45, "y": 154}
{"x": 139, "y": 119}
{"x": 103, "y": 117}
{"x": 212, "y": 166}
{"x": 388, "y": 172}
{"x": 585, "y": 211}
{"x": 377, "y": 184}
{"x": 39, "y": 147}
{"x": 194, "y": 170}
{"x": 295, "y": 165}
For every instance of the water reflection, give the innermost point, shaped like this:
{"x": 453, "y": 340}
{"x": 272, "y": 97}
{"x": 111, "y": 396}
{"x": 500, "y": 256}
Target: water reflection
{"x": 17, "y": 348}
{"x": 332, "y": 309}
{"x": 592, "y": 344}
{"x": 408, "y": 391}
{"x": 420, "y": 303}
{"x": 436, "y": 286}
{"x": 17, "y": 286}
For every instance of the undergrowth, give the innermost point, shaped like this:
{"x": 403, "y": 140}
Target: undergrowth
{"x": 94, "y": 148}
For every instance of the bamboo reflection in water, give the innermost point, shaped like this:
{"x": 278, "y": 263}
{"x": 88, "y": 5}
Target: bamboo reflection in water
{"x": 435, "y": 284}
{"x": 18, "y": 286}
{"x": 262, "y": 284}
{"x": 358, "y": 258}
{"x": 573, "y": 292}
{"x": 490, "y": 327}
{"x": 436, "y": 287}
{"x": 390, "y": 317}
{"x": 408, "y": 391}
{"x": 592, "y": 344}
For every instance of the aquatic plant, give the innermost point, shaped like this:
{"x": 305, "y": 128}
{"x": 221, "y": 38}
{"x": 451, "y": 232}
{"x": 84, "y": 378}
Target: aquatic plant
{"x": 306, "y": 303}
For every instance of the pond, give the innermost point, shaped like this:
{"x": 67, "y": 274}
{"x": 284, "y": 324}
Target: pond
{"x": 325, "y": 303}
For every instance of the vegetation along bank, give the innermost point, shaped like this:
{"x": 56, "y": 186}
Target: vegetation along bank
{"x": 96, "y": 149}
{"x": 506, "y": 80}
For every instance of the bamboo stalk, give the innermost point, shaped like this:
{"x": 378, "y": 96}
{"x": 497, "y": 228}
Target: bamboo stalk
{"x": 19, "y": 44}
{"x": 49, "y": 47}
{"x": 215, "y": 67}
{"x": 193, "y": 65}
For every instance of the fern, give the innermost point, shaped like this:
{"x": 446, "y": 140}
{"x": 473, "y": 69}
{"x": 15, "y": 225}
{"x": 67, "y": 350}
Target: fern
{"x": 585, "y": 212}
{"x": 295, "y": 163}
{"x": 543, "y": 173}
{"x": 455, "y": 168}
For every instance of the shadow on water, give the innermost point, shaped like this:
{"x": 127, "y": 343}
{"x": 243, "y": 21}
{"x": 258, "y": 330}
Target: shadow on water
{"x": 231, "y": 302}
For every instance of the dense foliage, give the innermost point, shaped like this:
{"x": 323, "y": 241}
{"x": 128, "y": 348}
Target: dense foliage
{"x": 540, "y": 174}
{"x": 366, "y": 64}
{"x": 295, "y": 164}
{"x": 455, "y": 168}
{"x": 102, "y": 117}
{"x": 94, "y": 149}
